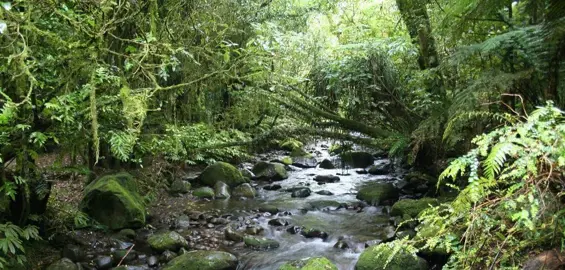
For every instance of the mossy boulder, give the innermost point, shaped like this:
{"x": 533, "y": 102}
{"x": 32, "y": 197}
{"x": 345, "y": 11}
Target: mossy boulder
{"x": 222, "y": 171}
{"x": 63, "y": 264}
{"x": 376, "y": 257}
{"x": 318, "y": 263}
{"x": 377, "y": 193}
{"x": 260, "y": 243}
{"x": 204, "y": 193}
{"x": 113, "y": 201}
{"x": 167, "y": 241}
{"x": 286, "y": 160}
{"x": 412, "y": 207}
{"x": 179, "y": 187}
{"x": 270, "y": 171}
{"x": 203, "y": 260}
{"x": 358, "y": 159}
{"x": 244, "y": 191}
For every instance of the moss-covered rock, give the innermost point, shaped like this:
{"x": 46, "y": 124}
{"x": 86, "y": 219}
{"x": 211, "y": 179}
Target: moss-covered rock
{"x": 204, "y": 192}
{"x": 327, "y": 164}
{"x": 286, "y": 160}
{"x": 258, "y": 243}
{"x": 376, "y": 257}
{"x": 358, "y": 159}
{"x": 203, "y": 260}
{"x": 270, "y": 171}
{"x": 113, "y": 201}
{"x": 318, "y": 263}
{"x": 63, "y": 264}
{"x": 179, "y": 187}
{"x": 221, "y": 190}
{"x": 244, "y": 191}
{"x": 167, "y": 241}
{"x": 377, "y": 193}
{"x": 222, "y": 171}
{"x": 412, "y": 207}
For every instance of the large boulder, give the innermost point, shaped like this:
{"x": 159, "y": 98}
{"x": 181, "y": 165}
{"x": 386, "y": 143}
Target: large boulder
{"x": 63, "y": 264}
{"x": 167, "y": 241}
{"x": 244, "y": 191}
{"x": 113, "y": 201}
{"x": 322, "y": 179}
{"x": 412, "y": 207}
{"x": 358, "y": 159}
{"x": 222, "y": 171}
{"x": 270, "y": 171}
{"x": 203, "y": 260}
{"x": 318, "y": 263}
{"x": 305, "y": 162}
{"x": 380, "y": 169}
{"x": 376, "y": 257}
{"x": 301, "y": 192}
{"x": 377, "y": 193}
{"x": 327, "y": 164}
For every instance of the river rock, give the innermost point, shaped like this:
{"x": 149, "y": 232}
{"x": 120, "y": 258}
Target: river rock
{"x": 254, "y": 230}
{"x": 204, "y": 193}
{"x": 113, "y": 201}
{"x": 324, "y": 192}
{"x": 278, "y": 222}
{"x": 375, "y": 257}
{"x": 318, "y": 263}
{"x": 322, "y": 179}
{"x": 221, "y": 190}
{"x": 326, "y": 164}
{"x": 152, "y": 261}
{"x": 63, "y": 264}
{"x": 183, "y": 222}
{"x": 322, "y": 205}
{"x": 179, "y": 187}
{"x": 244, "y": 191}
{"x": 74, "y": 253}
{"x": 269, "y": 209}
{"x": 233, "y": 235}
{"x": 294, "y": 229}
{"x": 167, "y": 256}
{"x": 301, "y": 193}
{"x": 304, "y": 162}
{"x": 314, "y": 233}
{"x": 377, "y": 193}
{"x": 103, "y": 262}
{"x": 247, "y": 173}
{"x": 224, "y": 172}
{"x": 260, "y": 243}
{"x": 358, "y": 159}
{"x": 412, "y": 207}
{"x": 270, "y": 171}
{"x": 203, "y": 260}
{"x": 167, "y": 241}
{"x": 380, "y": 169}
{"x": 273, "y": 187}
{"x": 361, "y": 171}
{"x": 118, "y": 254}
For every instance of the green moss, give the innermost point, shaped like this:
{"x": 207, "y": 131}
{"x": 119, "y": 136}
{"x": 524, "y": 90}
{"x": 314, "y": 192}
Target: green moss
{"x": 287, "y": 160}
{"x": 318, "y": 263}
{"x": 260, "y": 242}
{"x": 222, "y": 171}
{"x": 203, "y": 260}
{"x": 113, "y": 201}
{"x": 204, "y": 192}
{"x": 167, "y": 241}
{"x": 376, "y": 257}
{"x": 299, "y": 152}
{"x": 376, "y": 193}
{"x": 270, "y": 171}
{"x": 411, "y": 207}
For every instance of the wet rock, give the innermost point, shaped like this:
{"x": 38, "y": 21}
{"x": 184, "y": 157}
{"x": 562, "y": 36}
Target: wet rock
{"x": 103, "y": 262}
{"x": 344, "y": 243}
{"x": 325, "y": 193}
{"x": 113, "y": 200}
{"x": 179, "y": 187}
{"x": 371, "y": 243}
{"x": 244, "y": 191}
{"x": 203, "y": 192}
{"x": 375, "y": 257}
{"x": 247, "y": 173}
{"x": 389, "y": 233}
{"x": 322, "y": 205}
{"x": 304, "y": 162}
{"x": 301, "y": 193}
{"x": 63, "y": 264}
{"x": 203, "y": 260}
{"x": 167, "y": 256}
{"x": 219, "y": 221}
{"x": 224, "y": 172}
{"x": 273, "y": 187}
{"x": 278, "y": 222}
{"x": 412, "y": 207}
{"x": 74, "y": 253}
{"x": 318, "y": 263}
{"x": 254, "y": 230}
{"x": 361, "y": 171}
{"x": 377, "y": 193}
{"x": 167, "y": 241}
{"x": 286, "y": 161}
{"x": 221, "y": 190}
{"x": 233, "y": 235}
{"x": 358, "y": 159}
{"x": 327, "y": 164}
{"x": 127, "y": 234}
{"x": 547, "y": 260}
{"x": 152, "y": 261}
{"x": 326, "y": 179}
{"x": 260, "y": 243}
{"x": 380, "y": 169}
{"x": 314, "y": 233}
{"x": 270, "y": 171}
{"x": 182, "y": 222}
{"x": 269, "y": 209}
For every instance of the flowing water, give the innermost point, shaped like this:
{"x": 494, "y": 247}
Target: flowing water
{"x": 358, "y": 225}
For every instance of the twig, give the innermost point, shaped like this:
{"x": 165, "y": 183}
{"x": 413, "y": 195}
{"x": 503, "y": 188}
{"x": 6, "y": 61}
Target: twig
{"x": 127, "y": 253}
